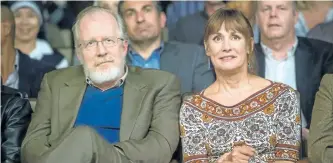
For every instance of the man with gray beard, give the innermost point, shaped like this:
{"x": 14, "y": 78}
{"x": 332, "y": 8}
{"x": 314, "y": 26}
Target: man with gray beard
{"x": 103, "y": 111}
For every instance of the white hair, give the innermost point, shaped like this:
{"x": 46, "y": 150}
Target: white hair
{"x": 94, "y": 9}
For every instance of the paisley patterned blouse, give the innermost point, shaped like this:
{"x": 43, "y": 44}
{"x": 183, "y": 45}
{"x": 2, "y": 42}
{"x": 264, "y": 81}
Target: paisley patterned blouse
{"x": 268, "y": 121}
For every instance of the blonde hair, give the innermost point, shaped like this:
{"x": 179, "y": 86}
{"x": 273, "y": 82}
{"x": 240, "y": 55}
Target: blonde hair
{"x": 94, "y": 9}
{"x": 233, "y": 20}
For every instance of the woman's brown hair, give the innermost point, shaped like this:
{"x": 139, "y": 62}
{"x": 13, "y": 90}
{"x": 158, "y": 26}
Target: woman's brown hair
{"x": 236, "y": 21}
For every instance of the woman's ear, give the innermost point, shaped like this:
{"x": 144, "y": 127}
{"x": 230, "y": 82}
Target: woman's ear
{"x": 207, "y": 49}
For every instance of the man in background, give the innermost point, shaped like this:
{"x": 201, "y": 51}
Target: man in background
{"x": 191, "y": 28}
{"x": 144, "y": 22}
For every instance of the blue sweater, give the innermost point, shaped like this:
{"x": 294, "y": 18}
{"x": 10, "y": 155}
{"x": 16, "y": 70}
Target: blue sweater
{"x": 102, "y": 111}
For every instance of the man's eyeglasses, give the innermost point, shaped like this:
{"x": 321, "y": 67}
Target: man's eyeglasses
{"x": 106, "y": 42}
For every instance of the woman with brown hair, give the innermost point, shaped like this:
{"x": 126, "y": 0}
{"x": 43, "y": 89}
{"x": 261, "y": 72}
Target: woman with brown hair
{"x": 241, "y": 117}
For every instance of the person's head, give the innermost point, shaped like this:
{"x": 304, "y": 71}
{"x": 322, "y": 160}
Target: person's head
{"x": 276, "y": 19}
{"x": 229, "y": 43}
{"x": 100, "y": 44}
{"x": 212, "y": 6}
{"x": 7, "y": 26}
{"x": 28, "y": 19}
{"x": 108, "y": 4}
{"x": 144, "y": 20}
{"x": 246, "y": 7}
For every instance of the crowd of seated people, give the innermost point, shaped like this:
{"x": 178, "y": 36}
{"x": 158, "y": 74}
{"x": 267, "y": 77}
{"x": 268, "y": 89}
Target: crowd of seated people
{"x": 237, "y": 81}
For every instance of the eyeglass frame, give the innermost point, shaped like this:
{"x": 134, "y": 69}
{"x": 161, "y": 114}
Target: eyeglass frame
{"x": 115, "y": 39}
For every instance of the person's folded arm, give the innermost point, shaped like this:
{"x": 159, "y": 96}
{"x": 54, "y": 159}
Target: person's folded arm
{"x": 288, "y": 121}
{"x": 163, "y": 135}
{"x": 192, "y": 135}
{"x": 321, "y": 129}
{"x": 36, "y": 141}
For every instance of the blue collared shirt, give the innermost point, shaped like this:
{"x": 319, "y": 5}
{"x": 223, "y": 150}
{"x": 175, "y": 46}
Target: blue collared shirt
{"x": 282, "y": 71}
{"x": 152, "y": 62}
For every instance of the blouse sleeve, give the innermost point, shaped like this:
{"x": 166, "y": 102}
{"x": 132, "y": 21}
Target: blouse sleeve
{"x": 192, "y": 135}
{"x": 288, "y": 127}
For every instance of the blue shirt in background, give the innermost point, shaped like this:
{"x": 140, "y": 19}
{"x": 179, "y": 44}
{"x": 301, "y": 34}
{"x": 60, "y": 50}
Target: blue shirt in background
{"x": 152, "y": 62}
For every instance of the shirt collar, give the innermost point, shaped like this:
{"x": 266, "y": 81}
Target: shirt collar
{"x": 159, "y": 49}
{"x": 268, "y": 51}
{"x": 118, "y": 83}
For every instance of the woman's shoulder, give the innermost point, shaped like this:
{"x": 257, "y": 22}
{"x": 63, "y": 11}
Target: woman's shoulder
{"x": 190, "y": 96}
{"x": 285, "y": 88}
{"x": 284, "y": 92}
{"x": 274, "y": 86}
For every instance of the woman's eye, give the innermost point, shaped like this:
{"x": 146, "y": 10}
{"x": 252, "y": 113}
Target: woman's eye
{"x": 235, "y": 37}
{"x": 217, "y": 38}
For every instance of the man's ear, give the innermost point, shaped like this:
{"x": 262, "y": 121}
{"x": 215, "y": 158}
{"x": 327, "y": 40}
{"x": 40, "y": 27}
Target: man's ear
{"x": 163, "y": 19}
{"x": 79, "y": 55}
{"x": 295, "y": 17}
{"x": 125, "y": 46}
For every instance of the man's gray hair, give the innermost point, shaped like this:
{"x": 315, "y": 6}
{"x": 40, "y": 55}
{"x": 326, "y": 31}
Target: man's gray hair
{"x": 96, "y": 9}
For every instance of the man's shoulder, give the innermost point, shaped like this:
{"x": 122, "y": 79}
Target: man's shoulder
{"x": 184, "y": 47}
{"x": 313, "y": 43}
{"x": 328, "y": 78}
{"x": 7, "y": 91}
{"x": 308, "y": 43}
{"x": 150, "y": 76}
{"x": 195, "y": 17}
{"x": 324, "y": 27}
{"x": 65, "y": 74}
{"x": 148, "y": 72}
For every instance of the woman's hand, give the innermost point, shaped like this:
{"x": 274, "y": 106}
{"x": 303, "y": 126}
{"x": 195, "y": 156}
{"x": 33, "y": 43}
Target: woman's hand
{"x": 225, "y": 158}
{"x": 239, "y": 154}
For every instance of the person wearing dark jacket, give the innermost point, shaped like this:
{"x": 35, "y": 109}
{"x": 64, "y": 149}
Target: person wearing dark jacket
{"x": 296, "y": 61}
{"x": 28, "y": 20}
{"x": 18, "y": 70}
{"x": 15, "y": 118}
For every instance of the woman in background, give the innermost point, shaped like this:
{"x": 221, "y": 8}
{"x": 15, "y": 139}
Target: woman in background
{"x": 28, "y": 19}
{"x": 240, "y": 117}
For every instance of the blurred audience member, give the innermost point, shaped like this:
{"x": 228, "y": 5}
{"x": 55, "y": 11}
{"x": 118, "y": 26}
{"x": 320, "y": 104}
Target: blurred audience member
{"x": 17, "y": 69}
{"x": 112, "y": 5}
{"x": 190, "y": 29}
{"x": 144, "y": 22}
{"x": 28, "y": 19}
{"x": 248, "y": 9}
{"x": 283, "y": 57}
{"x": 241, "y": 117}
{"x": 321, "y": 131}
{"x": 15, "y": 119}
{"x": 77, "y": 6}
{"x": 179, "y": 9}
{"x": 58, "y": 13}
{"x": 312, "y": 14}
{"x": 323, "y": 31}
{"x": 103, "y": 111}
